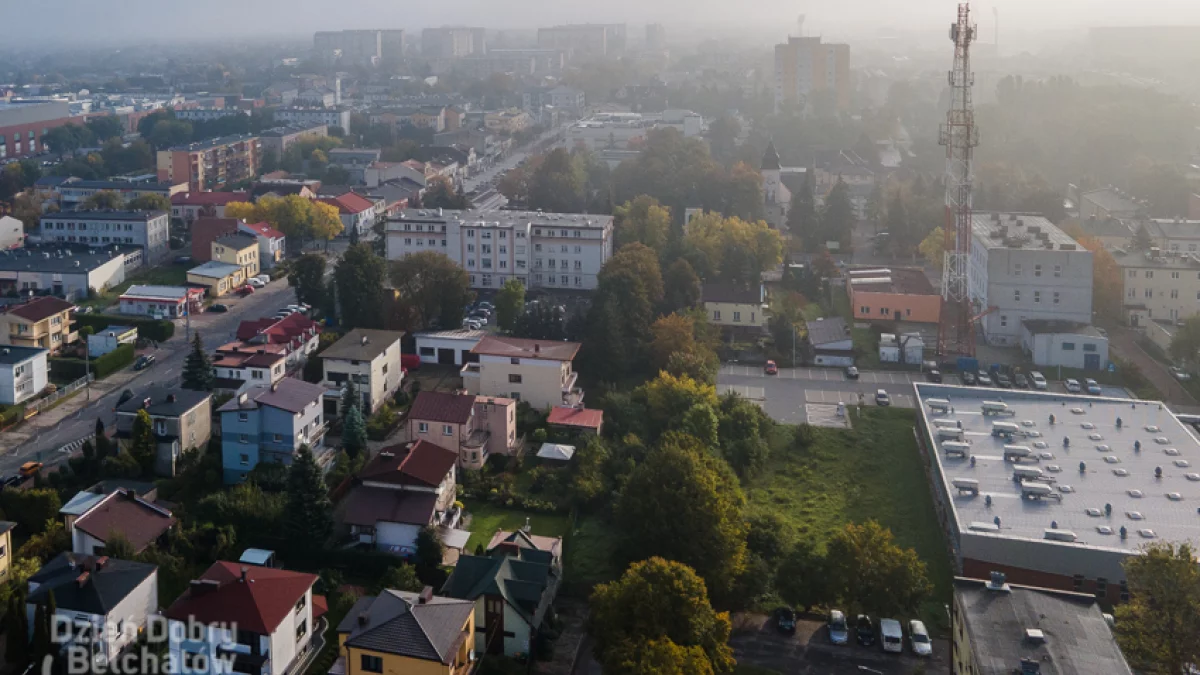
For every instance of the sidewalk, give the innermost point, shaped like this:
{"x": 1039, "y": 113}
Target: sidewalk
{"x": 1123, "y": 343}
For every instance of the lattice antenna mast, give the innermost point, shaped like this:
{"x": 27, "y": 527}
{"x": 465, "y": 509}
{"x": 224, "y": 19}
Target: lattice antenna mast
{"x": 959, "y": 135}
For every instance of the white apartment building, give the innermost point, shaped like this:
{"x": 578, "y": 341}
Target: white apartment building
{"x": 1024, "y": 267}
{"x": 208, "y": 114}
{"x": 542, "y": 250}
{"x": 147, "y": 229}
{"x": 615, "y": 130}
{"x": 334, "y": 117}
{"x": 1159, "y": 285}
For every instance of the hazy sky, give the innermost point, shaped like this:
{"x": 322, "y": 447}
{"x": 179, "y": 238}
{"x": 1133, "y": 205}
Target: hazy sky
{"x": 86, "y": 21}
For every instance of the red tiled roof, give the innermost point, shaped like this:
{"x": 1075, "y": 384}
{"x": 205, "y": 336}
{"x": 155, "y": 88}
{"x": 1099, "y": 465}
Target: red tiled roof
{"x": 528, "y": 349}
{"x": 349, "y": 202}
{"x": 367, "y": 506}
{"x": 576, "y": 417}
{"x": 39, "y": 309}
{"x": 419, "y": 463}
{"x": 436, "y": 406}
{"x": 208, "y": 198}
{"x": 278, "y": 331}
{"x": 123, "y": 513}
{"x": 320, "y": 606}
{"x": 257, "y": 604}
{"x": 264, "y": 360}
{"x": 264, "y": 229}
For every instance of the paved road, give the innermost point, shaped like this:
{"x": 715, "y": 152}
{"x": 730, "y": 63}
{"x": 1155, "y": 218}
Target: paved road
{"x": 1123, "y": 342}
{"x": 784, "y": 396}
{"x": 809, "y": 652}
{"x": 481, "y": 179}
{"x": 73, "y": 420}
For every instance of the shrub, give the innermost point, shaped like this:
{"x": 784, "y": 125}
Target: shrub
{"x": 151, "y": 329}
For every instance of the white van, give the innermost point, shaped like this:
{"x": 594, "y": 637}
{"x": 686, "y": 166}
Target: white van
{"x": 893, "y": 637}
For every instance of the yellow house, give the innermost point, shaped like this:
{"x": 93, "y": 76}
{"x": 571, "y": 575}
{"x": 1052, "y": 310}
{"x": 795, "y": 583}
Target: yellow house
{"x": 42, "y": 322}
{"x": 735, "y": 307}
{"x": 219, "y": 277}
{"x": 402, "y": 633}
{"x": 237, "y": 249}
{"x": 6, "y": 549}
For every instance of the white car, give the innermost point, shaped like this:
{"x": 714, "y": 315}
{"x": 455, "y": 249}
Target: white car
{"x": 919, "y": 638}
{"x": 255, "y": 282}
{"x": 1179, "y": 373}
{"x": 265, "y": 278}
{"x": 1039, "y": 380}
{"x": 1073, "y": 386}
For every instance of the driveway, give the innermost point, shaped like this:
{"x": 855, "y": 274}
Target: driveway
{"x": 808, "y": 652}
{"x": 1123, "y": 342}
{"x": 784, "y": 396}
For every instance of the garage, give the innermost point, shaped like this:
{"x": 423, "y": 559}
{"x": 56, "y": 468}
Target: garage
{"x": 445, "y": 356}
{"x": 447, "y": 347}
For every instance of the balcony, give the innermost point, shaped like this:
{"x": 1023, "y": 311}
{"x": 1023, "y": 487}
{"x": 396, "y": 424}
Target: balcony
{"x": 314, "y": 436}
{"x": 569, "y": 382}
{"x": 573, "y": 397}
{"x": 470, "y": 370}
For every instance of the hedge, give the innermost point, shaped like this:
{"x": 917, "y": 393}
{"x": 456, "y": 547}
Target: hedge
{"x": 159, "y": 330}
{"x": 73, "y": 369}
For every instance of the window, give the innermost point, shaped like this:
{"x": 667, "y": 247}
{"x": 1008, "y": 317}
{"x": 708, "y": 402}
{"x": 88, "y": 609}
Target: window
{"x": 1174, "y": 275}
{"x": 428, "y": 351}
{"x": 301, "y": 603}
{"x": 1056, "y": 297}
{"x": 514, "y": 378}
{"x": 1124, "y": 591}
{"x": 1078, "y": 583}
{"x": 447, "y": 430}
{"x": 737, "y": 317}
{"x": 576, "y": 234}
{"x": 1149, "y": 292}
{"x": 1017, "y": 295}
{"x": 470, "y": 248}
{"x": 716, "y": 315}
{"x": 470, "y": 234}
{"x": 486, "y": 235}
{"x": 579, "y": 249}
{"x": 579, "y": 281}
{"x": 1017, "y": 270}
{"x": 504, "y": 235}
{"x": 245, "y": 459}
{"x": 1003, "y": 321}
{"x": 372, "y": 664}
{"x": 1101, "y": 587}
{"x": 1149, "y": 274}
{"x": 503, "y": 249}
{"x": 563, "y": 248}
{"x": 565, "y": 279}
{"x": 1068, "y": 346}
{"x": 1174, "y": 293}
{"x": 278, "y": 438}
{"x": 1037, "y": 296}
{"x": 1058, "y": 270}
{"x": 243, "y": 417}
{"x": 1037, "y": 270}
{"x": 515, "y": 361}
{"x": 423, "y": 427}
{"x": 243, "y": 438}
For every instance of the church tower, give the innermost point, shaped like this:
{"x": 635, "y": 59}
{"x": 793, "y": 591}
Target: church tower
{"x": 770, "y": 171}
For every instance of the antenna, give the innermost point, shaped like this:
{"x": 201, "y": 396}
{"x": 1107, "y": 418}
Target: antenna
{"x": 959, "y": 135}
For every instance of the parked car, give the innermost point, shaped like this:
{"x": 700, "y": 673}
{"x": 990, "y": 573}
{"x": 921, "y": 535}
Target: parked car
{"x": 838, "y": 632}
{"x": 1179, "y": 373}
{"x": 785, "y": 620}
{"x": 882, "y": 399}
{"x": 983, "y": 379}
{"x": 1073, "y": 386}
{"x": 864, "y": 630}
{"x": 934, "y": 376}
{"x": 851, "y": 373}
{"x": 1003, "y": 381}
{"x": 472, "y": 324}
{"x": 893, "y": 637}
{"x": 771, "y": 368}
{"x": 218, "y": 308}
{"x": 1021, "y": 381}
{"x": 1092, "y": 386}
{"x": 143, "y": 362}
{"x": 12, "y": 481}
{"x": 255, "y": 282}
{"x": 1038, "y": 380}
{"x": 487, "y": 305}
{"x": 297, "y": 309}
{"x": 183, "y": 259}
{"x": 30, "y": 468}
{"x": 968, "y": 378}
{"x": 918, "y": 637}
{"x": 245, "y": 290}
{"x": 264, "y": 278}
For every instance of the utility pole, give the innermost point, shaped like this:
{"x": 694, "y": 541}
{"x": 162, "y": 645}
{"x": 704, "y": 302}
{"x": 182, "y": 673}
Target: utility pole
{"x": 87, "y": 370}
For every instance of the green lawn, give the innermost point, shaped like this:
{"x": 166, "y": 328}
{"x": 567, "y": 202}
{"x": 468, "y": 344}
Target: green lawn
{"x": 871, "y": 472}
{"x": 170, "y": 274}
{"x": 589, "y": 557}
{"x": 486, "y": 519}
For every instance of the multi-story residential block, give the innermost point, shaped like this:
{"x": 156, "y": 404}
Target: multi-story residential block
{"x": 23, "y": 373}
{"x": 372, "y": 358}
{"x": 481, "y": 67}
{"x": 1159, "y": 285}
{"x": 181, "y": 419}
{"x": 162, "y": 302}
{"x": 538, "y": 372}
{"x": 148, "y": 230}
{"x": 452, "y": 42}
{"x": 104, "y": 594}
{"x": 272, "y": 244}
{"x": 207, "y": 114}
{"x": 69, "y": 271}
{"x": 190, "y": 206}
{"x": 615, "y": 131}
{"x": 542, "y": 250}
{"x": 359, "y": 47}
{"x": 255, "y": 620}
{"x": 564, "y": 98}
{"x": 507, "y": 121}
{"x": 545, "y": 61}
{"x": 355, "y": 161}
{"x": 237, "y": 249}
{"x": 268, "y": 423}
{"x": 404, "y": 632}
{"x": 584, "y": 40}
{"x": 214, "y": 164}
{"x": 330, "y": 117}
{"x": 73, "y": 191}
{"x": 23, "y": 126}
{"x": 1170, "y": 234}
{"x": 412, "y": 117}
{"x": 42, "y": 322}
{"x": 1024, "y": 267}
{"x": 656, "y": 37}
{"x": 805, "y": 66}
{"x": 277, "y": 140}
{"x": 474, "y": 427}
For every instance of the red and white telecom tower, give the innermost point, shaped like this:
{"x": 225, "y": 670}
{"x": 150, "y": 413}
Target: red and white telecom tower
{"x": 956, "y": 329}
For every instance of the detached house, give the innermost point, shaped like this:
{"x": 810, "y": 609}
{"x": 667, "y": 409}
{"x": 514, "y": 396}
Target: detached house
{"x": 42, "y": 322}
{"x": 295, "y": 336}
{"x": 512, "y": 596}
{"x": 474, "y": 427}
{"x": 403, "y": 632}
{"x": 735, "y": 307}
{"x": 356, "y": 212}
{"x": 257, "y": 619}
{"x": 535, "y": 371}
{"x": 123, "y": 513}
{"x": 271, "y": 243}
{"x": 24, "y": 373}
{"x": 401, "y": 490}
{"x": 372, "y": 358}
{"x": 269, "y": 423}
{"x": 181, "y": 418}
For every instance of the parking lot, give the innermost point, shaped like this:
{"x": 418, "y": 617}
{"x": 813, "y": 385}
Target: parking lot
{"x": 808, "y": 652}
{"x": 785, "y": 396}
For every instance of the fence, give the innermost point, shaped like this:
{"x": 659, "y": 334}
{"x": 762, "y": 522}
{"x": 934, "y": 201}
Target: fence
{"x": 43, "y": 403}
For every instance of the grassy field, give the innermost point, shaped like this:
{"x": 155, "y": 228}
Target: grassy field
{"x": 872, "y": 472}
{"x": 170, "y": 274}
{"x": 589, "y": 553}
{"x": 486, "y": 519}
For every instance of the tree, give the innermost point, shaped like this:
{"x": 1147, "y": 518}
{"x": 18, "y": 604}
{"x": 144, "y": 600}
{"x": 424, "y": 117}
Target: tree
{"x": 117, "y": 545}
{"x": 360, "y": 277}
{"x": 198, "y": 372}
{"x": 933, "y": 248}
{"x": 872, "y": 572}
{"x": 837, "y": 218}
{"x": 557, "y": 184}
{"x": 1185, "y": 344}
{"x": 731, "y": 249}
{"x": 1107, "y": 278}
{"x": 308, "y": 278}
{"x": 669, "y": 397}
{"x": 440, "y": 194}
{"x": 657, "y": 608}
{"x": 169, "y": 132}
{"x": 141, "y": 447}
{"x": 1157, "y": 628}
{"x": 643, "y": 221}
{"x": 301, "y": 220}
{"x": 802, "y": 577}
{"x": 66, "y": 138}
{"x": 16, "y": 619}
{"x": 684, "y": 478}
{"x": 402, "y": 577}
{"x": 308, "y": 518}
{"x": 722, "y": 138}
{"x": 681, "y": 286}
{"x": 104, "y": 127}
{"x": 1142, "y": 241}
{"x": 510, "y": 303}
{"x": 103, "y": 445}
{"x": 41, "y": 633}
{"x": 429, "y": 554}
{"x": 354, "y": 431}
{"x": 542, "y": 320}
{"x": 802, "y": 220}
{"x": 149, "y": 202}
{"x": 103, "y": 199}
{"x": 432, "y": 289}
{"x": 641, "y": 263}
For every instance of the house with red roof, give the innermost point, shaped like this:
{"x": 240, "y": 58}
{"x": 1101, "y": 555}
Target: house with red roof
{"x": 271, "y": 242}
{"x": 294, "y": 336}
{"x": 474, "y": 427}
{"x": 120, "y": 513}
{"x": 188, "y": 206}
{"x": 44, "y": 321}
{"x": 401, "y": 490}
{"x": 257, "y": 619}
{"x": 357, "y": 212}
{"x": 579, "y": 420}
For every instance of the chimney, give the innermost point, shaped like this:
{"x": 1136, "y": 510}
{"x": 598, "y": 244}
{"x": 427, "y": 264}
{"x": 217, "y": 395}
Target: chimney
{"x": 82, "y": 579}
{"x": 364, "y": 619}
{"x": 425, "y": 596}
{"x": 528, "y": 527}
{"x": 365, "y": 340}
{"x": 101, "y": 562}
{"x": 170, "y": 398}
{"x": 245, "y": 570}
{"x": 536, "y": 348}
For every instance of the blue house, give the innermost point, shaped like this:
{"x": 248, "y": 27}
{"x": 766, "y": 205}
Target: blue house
{"x": 268, "y": 423}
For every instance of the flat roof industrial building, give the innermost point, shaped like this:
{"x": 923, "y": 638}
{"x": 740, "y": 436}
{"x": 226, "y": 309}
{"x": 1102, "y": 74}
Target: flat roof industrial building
{"x": 1062, "y": 503}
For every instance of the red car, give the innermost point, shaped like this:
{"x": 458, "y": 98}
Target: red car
{"x": 771, "y": 368}
{"x": 245, "y": 290}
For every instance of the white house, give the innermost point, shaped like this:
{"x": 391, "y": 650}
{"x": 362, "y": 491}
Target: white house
{"x": 23, "y": 373}
{"x": 372, "y": 358}
{"x": 891, "y": 346}
{"x": 255, "y": 619}
{"x": 108, "y": 339}
{"x": 12, "y": 233}
{"x": 271, "y": 243}
{"x": 164, "y": 302}
{"x": 1064, "y": 343}
{"x": 447, "y": 347}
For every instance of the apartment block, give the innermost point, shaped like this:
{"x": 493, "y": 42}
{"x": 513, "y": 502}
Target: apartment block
{"x": 214, "y": 164}
{"x": 372, "y": 359}
{"x": 805, "y": 66}
{"x": 148, "y": 230}
{"x": 1159, "y": 285}
{"x": 538, "y": 372}
{"x": 42, "y": 322}
{"x": 453, "y": 42}
{"x": 333, "y": 117}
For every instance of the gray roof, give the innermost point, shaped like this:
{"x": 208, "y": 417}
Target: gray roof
{"x": 216, "y": 142}
{"x": 398, "y": 622}
{"x": 6, "y": 525}
{"x": 102, "y": 590}
{"x": 1109, "y": 200}
{"x": 156, "y": 292}
{"x": 62, "y": 259}
{"x": 12, "y": 355}
{"x": 730, "y": 293}
{"x": 1038, "y": 326}
{"x": 238, "y": 240}
{"x": 214, "y": 269}
{"x": 527, "y": 581}
{"x": 287, "y": 394}
{"x": 119, "y": 185}
{"x": 1018, "y": 231}
{"x": 1175, "y": 229}
{"x": 1077, "y": 639}
{"x": 164, "y": 401}
{"x": 825, "y": 331}
{"x": 362, "y": 344}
